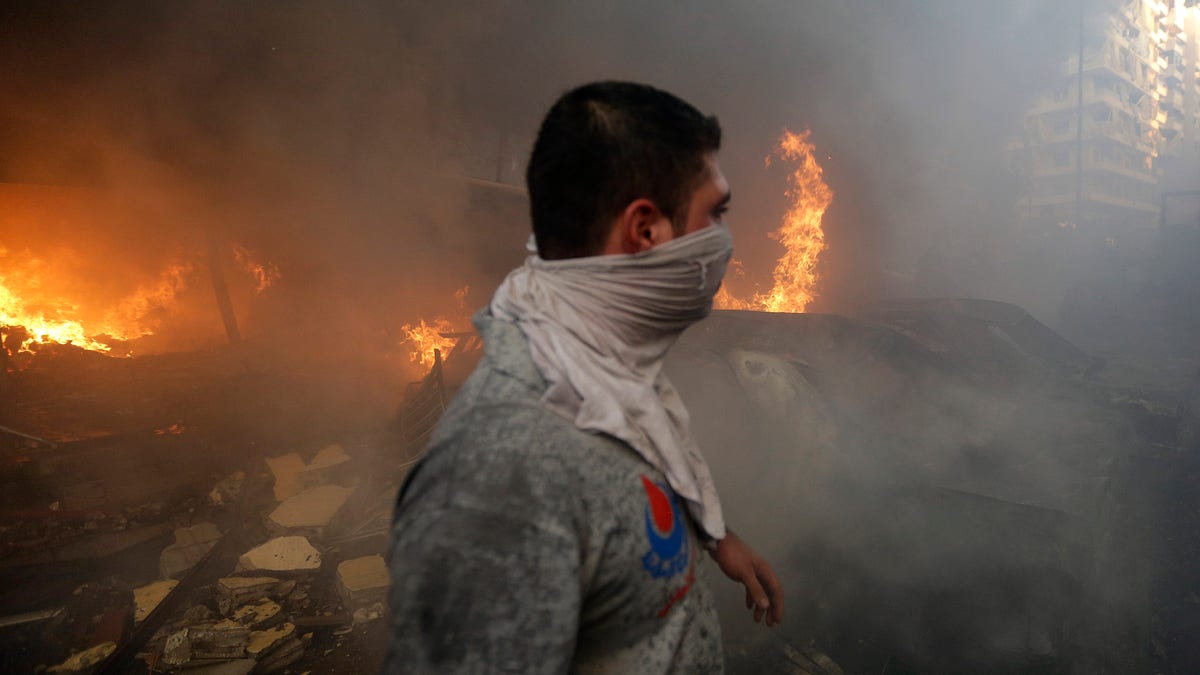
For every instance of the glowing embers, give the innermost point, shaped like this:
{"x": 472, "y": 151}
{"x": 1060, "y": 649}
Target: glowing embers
{"x": 802, "y": 236}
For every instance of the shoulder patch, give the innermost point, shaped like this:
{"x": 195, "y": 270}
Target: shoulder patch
{"x": 666, "y": 531}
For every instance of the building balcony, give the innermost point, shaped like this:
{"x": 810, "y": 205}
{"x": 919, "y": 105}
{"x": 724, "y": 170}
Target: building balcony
{"x": 1116, "y": 168}
{"x": 1092, "y": 199}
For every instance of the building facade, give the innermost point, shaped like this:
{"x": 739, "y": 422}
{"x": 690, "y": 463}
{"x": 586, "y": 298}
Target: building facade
{"x": 1140, "y": 114}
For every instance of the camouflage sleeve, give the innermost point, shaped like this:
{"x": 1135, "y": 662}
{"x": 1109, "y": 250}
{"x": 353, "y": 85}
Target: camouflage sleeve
{"x": 477, "y": 591}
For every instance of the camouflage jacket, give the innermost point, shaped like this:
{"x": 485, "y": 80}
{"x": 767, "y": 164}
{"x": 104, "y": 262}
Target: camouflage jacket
{"x": 522, "y": 544}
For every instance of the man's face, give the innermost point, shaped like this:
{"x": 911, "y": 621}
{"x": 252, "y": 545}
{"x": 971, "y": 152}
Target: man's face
{"x": 642, "y": 225}
{"x": 710, "y": 201}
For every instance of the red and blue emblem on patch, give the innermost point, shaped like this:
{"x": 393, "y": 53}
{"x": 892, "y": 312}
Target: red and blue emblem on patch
{"x": 667, "y": 531}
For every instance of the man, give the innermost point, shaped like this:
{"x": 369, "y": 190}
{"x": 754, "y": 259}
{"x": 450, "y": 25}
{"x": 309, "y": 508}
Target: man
{"x": 557, "y": 521}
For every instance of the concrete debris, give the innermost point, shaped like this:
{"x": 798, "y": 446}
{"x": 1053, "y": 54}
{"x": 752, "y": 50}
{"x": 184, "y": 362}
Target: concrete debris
{"x": 86, "y": 659}
{"x": 282, "y": 554}
{"x": 196, "y": 614}
{"x": 362, "y": 581}
{"x": 196, "y": 644}
{"x": 323, "y": 620}
{"x": 146, "y": 598}
{"x": 191, "y": 543}
{"x": 286, "y": 469}
{"x": 228, "y": 490}
{"x": 372, "y": 612}
{"x": 328, "y": 464}
{"x": 237, "y": 591}
{"x": 258, "y": 614}
{"x": 264, "y": 642}
{"x": 314, "y": 508}
{"x": 283, "y": 653}
{"x": 266, "y": 606}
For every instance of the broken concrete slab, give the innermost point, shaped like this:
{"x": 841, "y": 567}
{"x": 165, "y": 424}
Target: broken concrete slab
{"x": 362, "y": 581}
{"x": 85, "y": 660}
{"x": 281, "y": 554}
{"x": 314, "y": 508}
{"x": 257, "y": 614}
{"x": 264, "y": 642}
{"x": 146, "y": 598}
{"x": 195, "y": 644}
{"x": 328, "y": 465}
{"x": 286, "y": 469}
{"x": 191, "y": 544}
{"x": 237, "y": 591}
{"x": 286, "y": 652}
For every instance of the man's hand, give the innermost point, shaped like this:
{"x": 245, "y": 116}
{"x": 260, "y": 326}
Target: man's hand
{"x": 740, "y": 563}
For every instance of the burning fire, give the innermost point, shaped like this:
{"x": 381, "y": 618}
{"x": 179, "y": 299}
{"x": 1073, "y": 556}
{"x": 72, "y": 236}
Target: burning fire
{"x": 42, "y": 301}
{"x": 264, "y": 274}
{"x": 795, "y": 273}
{"x": 34, "y": 312}
{"x": 426, "y": 338}
{"x": 803, "y": 239}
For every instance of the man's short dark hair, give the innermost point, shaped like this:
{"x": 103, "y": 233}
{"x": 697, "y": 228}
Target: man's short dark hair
{"x": 602, "y": 146}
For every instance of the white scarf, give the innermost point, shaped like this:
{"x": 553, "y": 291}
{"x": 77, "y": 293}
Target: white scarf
{"x": 599, "y": 328}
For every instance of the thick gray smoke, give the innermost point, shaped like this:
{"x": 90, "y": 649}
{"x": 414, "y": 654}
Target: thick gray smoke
{"x": 333, "y": 138}
{"x": 311, "y": 131}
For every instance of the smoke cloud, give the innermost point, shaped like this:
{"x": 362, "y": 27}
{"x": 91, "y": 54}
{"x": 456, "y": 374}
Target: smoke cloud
{"x": 315, "y": 133}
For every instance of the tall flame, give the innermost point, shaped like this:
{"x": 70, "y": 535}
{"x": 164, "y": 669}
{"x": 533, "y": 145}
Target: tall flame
{"x": 803, "y": 239}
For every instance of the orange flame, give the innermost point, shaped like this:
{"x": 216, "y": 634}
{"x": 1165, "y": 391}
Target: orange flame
{"x": 34, "y": 312}
{"x": 264, "y": 274}
{"x": 801, "y": 234}
{"x": 427, "y": 338}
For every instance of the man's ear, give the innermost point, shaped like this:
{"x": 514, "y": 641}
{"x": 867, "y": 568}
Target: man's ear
{"x": 642, "y": 226}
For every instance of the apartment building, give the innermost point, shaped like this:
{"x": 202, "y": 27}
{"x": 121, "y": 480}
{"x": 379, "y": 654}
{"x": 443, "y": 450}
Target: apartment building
{"x": 1140, "y": 119}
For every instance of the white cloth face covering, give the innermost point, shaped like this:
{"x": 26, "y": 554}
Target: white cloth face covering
{"x": 599, "y": 329}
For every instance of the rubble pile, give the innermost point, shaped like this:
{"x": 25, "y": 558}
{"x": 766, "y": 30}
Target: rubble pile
{"x": 248, "y": 578}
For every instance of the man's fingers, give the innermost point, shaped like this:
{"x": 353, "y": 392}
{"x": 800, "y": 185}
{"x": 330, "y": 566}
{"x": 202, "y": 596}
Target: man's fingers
{"x": 755, "y": 591}
{"x": 774, "y": 591}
